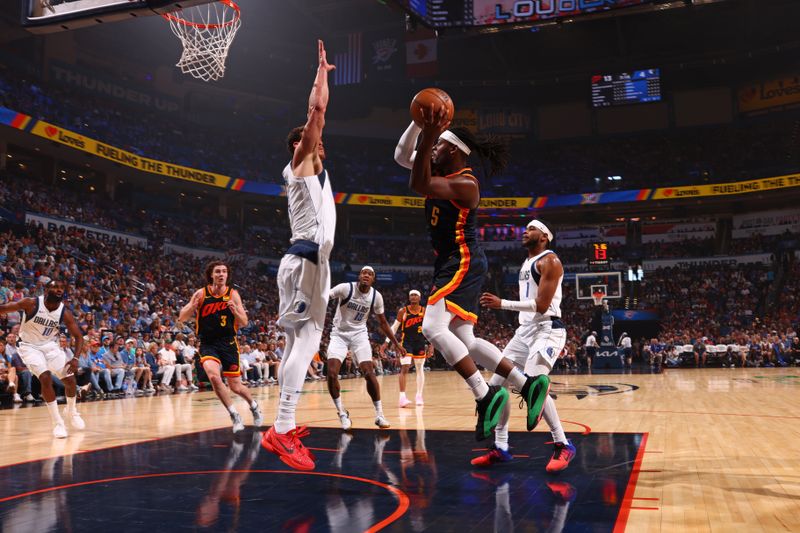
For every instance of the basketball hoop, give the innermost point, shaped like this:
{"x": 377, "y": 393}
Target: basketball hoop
{"x": 598, "y": 297}
{"x": 206, "y": 33}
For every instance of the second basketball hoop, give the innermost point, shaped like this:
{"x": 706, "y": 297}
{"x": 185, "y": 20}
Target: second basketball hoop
{"x": 206, "y": 33}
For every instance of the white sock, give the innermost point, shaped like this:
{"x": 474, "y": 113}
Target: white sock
{"x": 52, "y": 408}
{"x": 286, "y": 410}
{"x": 478, "y": 385}
{"x": 232, "y": 410}
{"x": 338, "y": 403}
{"x": 403, "y": 395}
{"x": 420, "y": 379}
{"x": 378, "y": 408}
{"x": 501, "y": 430}
{"x": 71, "y": 400}
{"x": 517, "y": 379}
{"x": 253, "y": 405}
{"x": 551, "y": 417}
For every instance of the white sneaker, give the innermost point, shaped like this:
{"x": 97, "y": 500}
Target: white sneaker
{"x": 344, "y": 418}
{"x": 258, "y": 417}
{"x": 60, "y": 431}
{"x": 382, "y": 423}
{"x": 403, "y": 402}
{"x": 238, "y": 425}
{"x": 419, "y": 400}
{"x": 75, "y": 419}
{"x": 17, "y": 398}
{"x": 29, "y": 398}
{"x": 194, "y": 387}
{"x": 182, "y": 389}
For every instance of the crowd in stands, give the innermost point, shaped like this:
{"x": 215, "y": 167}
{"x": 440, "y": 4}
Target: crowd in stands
{"x": 755, "y": 147}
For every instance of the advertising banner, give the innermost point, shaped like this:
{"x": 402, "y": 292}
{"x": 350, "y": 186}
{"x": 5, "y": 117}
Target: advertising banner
{"x": 91, "y": 232}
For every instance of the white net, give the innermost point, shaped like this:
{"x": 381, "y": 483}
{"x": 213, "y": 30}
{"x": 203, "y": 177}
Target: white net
{"x": 206, "y": 33}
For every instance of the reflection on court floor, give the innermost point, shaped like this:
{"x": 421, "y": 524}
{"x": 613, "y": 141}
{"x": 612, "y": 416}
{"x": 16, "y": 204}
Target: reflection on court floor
{"x": 405, "y": 480}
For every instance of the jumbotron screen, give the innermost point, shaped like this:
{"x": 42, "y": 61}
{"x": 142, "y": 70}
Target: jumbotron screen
{"x": 477, "y": 13}
{"x": 637, "y": 87}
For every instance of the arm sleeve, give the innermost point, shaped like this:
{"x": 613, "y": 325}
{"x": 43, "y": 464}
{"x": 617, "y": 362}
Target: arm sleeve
{"x": 515, "y": 305}
{"x": 404, "y": 153}
{"x": 395, "y": 326}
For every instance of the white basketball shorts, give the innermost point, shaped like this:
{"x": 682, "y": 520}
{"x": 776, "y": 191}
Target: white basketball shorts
{"x": 356, "y": 342}
{"x": 303, "y": 289}
{"x": 535, "y": 347}
{"x": 40, "y": 359}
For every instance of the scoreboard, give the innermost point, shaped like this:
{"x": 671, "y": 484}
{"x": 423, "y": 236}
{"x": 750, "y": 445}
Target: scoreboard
{"x": 639, "y": 86}
{"x": 485, "y": 13}
{"x": 599, "y": 260}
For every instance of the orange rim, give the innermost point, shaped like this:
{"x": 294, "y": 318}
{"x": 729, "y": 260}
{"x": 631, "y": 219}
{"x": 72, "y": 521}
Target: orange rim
{"x": 230, "y": 3}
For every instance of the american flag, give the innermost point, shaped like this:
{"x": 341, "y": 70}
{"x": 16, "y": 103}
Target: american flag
{"x": 348, "y": 64}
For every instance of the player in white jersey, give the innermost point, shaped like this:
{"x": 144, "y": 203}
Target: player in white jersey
{"x": 356, "y": 302}
{"x": 538, "y": 341}
{"x": 39, "y": 349}
{"x": 304, "y": 277}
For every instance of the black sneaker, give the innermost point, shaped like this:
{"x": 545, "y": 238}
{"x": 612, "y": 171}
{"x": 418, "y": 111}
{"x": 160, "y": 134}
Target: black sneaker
{"x": 488, "y": 409}
{"x": 534, "y": 394}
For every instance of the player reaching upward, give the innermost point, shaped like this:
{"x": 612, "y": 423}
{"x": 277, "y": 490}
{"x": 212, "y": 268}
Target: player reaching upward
{"x": 538, "y": 341}
{"x": 304, "y": 278}
{"x": 356, "y": 302}
{"x": 451, "y": 205}
{"x": 39, "y": 349}
{"x": 219, "y": 313}
{"x": 409, "y": 323}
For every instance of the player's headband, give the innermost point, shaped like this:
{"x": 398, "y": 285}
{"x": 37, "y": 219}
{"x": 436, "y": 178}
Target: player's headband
{"x": 367, "y": 267}
{"x": 452, "y": 138}
{"x": 412, "y": 292}
{"x": 541, "y": 227}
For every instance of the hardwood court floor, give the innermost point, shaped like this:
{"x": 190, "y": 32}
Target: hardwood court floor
{"x": 720, "y": 450}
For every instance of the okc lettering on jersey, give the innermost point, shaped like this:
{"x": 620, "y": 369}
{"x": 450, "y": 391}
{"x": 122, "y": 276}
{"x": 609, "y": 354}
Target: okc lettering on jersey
{"x": 44, "y": 322}
{"x": 214, "y": 307}
{"x": 412, "y": 321}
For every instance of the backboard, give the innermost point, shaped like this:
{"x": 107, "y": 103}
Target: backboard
{"x": 47, "y": 16}
{"x": 587, "y": 283}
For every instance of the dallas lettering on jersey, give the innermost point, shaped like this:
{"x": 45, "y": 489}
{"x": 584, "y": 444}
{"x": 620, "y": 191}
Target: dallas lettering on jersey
{"x": 360, "y": 310}
{"x": 45, "y": 322}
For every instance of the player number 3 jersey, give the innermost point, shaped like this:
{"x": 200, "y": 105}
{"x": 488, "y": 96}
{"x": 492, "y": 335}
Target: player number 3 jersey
{"x": 354, "y": 306}
{"x": 215, "y": 321}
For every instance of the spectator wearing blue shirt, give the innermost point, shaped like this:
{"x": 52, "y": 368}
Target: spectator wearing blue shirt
{"x": 99, "y": 368}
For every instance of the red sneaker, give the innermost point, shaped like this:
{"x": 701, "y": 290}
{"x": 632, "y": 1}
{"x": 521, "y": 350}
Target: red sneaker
{"x": 562, "y": 455}
{"x": 288, "y": 448}
{"x": 493, "y": 456}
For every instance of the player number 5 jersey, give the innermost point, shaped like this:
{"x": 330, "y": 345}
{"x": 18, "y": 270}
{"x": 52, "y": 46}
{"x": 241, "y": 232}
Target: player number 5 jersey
{"x": 354, "y": 306}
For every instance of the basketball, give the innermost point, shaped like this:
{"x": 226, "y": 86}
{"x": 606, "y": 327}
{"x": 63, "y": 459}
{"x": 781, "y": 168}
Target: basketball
{"x": 429, "y": 96}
